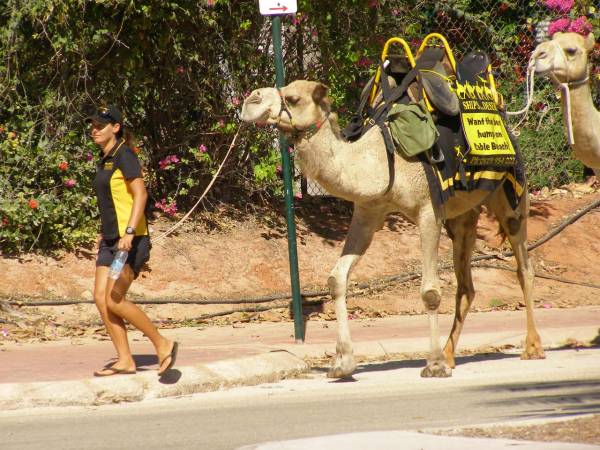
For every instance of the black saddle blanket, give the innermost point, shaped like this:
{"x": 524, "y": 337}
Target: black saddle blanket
{"x": 454, "y": 174}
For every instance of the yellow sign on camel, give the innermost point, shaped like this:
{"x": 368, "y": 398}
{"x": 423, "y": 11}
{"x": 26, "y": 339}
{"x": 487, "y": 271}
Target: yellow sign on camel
{"x": 483, "y": 126}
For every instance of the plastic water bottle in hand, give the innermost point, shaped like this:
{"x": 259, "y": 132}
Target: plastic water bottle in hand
{"x": 117, "y": 265}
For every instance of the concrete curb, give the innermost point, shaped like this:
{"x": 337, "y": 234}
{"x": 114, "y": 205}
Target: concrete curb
{"x": 268, "y": 367}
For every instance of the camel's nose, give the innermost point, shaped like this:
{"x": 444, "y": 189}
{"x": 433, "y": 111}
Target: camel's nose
{"x": 254, "y": 97}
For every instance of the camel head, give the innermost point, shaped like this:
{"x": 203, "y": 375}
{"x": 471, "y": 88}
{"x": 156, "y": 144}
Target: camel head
{"x": 564, "y": 58}
{"x": 296, "y": 107}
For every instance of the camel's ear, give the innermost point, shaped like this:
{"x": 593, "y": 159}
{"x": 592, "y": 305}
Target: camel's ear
{"x": 590, "y": 42}
{"x": 320, "y": 93}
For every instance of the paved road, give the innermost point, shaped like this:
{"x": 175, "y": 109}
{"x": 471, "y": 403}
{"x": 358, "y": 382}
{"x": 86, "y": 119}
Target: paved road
{"x": 383, "y": 396}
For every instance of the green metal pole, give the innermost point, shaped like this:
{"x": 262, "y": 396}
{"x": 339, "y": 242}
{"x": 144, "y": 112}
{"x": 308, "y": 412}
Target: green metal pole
{"x": 289, "y": 193}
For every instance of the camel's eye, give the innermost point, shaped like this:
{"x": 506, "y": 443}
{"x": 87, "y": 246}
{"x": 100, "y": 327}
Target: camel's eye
{"x": 292, "y": 99}
{"x": 571, "y": 51}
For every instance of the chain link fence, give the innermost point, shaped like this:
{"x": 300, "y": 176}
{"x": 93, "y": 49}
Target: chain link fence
{"x": 508, "y": 36}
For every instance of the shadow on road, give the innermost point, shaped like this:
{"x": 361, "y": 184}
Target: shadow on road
{"x": 550, "y": 399}
{"x": 419, "y": 363}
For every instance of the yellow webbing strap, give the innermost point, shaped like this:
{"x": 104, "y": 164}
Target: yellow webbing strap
{"x": 497, "y": 97}
{"x": 384, "y": 54}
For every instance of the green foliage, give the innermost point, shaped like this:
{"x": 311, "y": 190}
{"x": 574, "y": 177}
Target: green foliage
{"x": 46, "y": 199}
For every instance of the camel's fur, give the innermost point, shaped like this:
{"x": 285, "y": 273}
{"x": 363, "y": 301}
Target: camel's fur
{"x": 359, "y": 172}
{"x": 564, "y": 59}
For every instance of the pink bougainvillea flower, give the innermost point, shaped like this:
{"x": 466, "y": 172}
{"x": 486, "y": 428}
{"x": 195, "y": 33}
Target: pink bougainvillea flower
{"x": 221, "y": 123}
{"x": 89, "y": 157}
{"x": 63, "y": 166}
{"x": 298, "y": 195}
{"x": 581, "y": 26}
{"x": 180, "y": 69}
{"x": 396, "y": 12}
{"x": 279, "y": 170}
{"x": 33, "y": 204}
{"x": 168, "y": 209}
{"x": 169, "y": 160}
{"x": 202, "y": 148}
{"x": 210, "y": 3}
{"x": 562, "y": 6}
{"x": 559, "y": 25}
{"x": 363, "y": 61}
{"x": 70, "y": 183}
{"x": 235, "y": 101}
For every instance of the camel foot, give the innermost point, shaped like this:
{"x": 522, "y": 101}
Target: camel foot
{"x": 343, "y": 367}
{"x": 436, "y": 369}
{"x": 533, "y": 353}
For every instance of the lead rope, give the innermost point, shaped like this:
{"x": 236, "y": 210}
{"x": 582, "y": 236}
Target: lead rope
{"x": 529, "y": 87}
{"x": 184, "y": 218}
{"x": 565, "y": 93}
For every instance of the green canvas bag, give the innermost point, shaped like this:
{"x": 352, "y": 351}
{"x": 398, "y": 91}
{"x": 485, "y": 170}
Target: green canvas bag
{"x": 412, "y": 128}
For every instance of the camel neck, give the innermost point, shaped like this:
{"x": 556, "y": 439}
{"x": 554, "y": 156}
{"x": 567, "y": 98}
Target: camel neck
{"x": 316, "y": 150}
{"x": 582, "y": 111}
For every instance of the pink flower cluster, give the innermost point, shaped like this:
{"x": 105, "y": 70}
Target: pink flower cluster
{"x": 562, "y": 6}
{"x": 579, "y": 25}
{"x": 169, "y": 209}
{"x": 70, "y": 182}
{"x": 363, "y": 61}
{"x": 171, "y": 159}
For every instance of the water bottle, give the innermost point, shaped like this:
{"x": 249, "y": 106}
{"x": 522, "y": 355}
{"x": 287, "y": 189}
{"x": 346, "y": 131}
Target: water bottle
{"x": 117, "y": 265}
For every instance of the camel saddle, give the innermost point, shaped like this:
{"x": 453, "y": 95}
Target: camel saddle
{"x": 470, "y": 148}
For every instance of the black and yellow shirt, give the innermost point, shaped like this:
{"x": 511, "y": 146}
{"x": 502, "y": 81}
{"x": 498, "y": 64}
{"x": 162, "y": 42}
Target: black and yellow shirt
{"x": 115, "y": 201}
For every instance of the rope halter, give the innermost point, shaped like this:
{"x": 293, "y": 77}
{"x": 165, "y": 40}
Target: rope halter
{"x": 562, "y": 86}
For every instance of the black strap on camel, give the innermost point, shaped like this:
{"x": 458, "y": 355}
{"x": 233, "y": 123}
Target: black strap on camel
{"x": 378, "y": 114}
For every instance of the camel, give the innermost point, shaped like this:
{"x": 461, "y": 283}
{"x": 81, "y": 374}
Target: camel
{"x": 564, "y": 60}
{"x": 361, "y": 173}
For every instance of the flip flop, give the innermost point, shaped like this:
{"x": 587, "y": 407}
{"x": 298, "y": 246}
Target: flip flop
{"x": 109, "y": 371}
{"x": 172, "y": 355}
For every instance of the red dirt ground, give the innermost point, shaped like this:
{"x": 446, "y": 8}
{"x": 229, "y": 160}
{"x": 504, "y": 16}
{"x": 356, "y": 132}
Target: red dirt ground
{"x": 250, "y": 259}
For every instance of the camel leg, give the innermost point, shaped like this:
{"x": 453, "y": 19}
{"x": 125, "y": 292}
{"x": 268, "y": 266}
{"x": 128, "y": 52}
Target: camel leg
{"x": 463, "y": 232}
{"x": 514, "y": 225}
{"x": 364, "y": 224}
{"x": 429, "y": 230}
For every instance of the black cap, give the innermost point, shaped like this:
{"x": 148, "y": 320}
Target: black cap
{"x": 110, "y": 114}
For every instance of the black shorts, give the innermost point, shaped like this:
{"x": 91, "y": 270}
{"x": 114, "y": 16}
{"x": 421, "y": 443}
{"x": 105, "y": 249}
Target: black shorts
{"x": 138, "y": 255}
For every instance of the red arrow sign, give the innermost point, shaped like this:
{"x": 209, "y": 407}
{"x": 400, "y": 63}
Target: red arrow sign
{"x": 283, "y": 8}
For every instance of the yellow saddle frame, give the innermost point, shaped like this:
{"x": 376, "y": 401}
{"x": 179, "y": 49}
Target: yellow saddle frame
{"x": 412, "y": 61}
